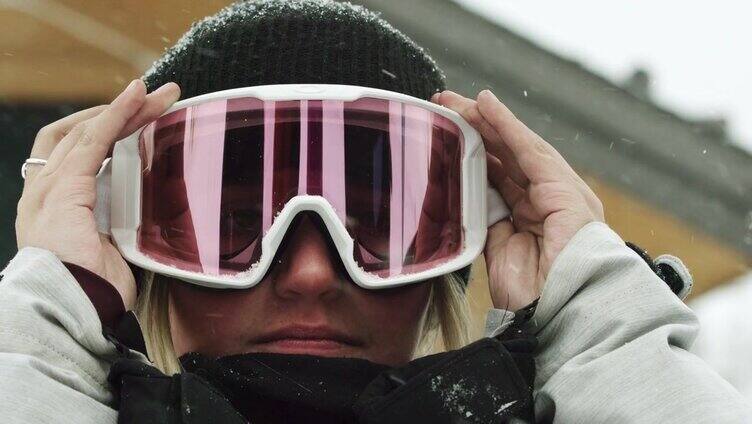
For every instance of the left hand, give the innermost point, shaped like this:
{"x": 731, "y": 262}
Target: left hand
{"x": 549, "y": 201}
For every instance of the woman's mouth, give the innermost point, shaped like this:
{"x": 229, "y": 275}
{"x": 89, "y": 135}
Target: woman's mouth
{"x": 306, "y": 340}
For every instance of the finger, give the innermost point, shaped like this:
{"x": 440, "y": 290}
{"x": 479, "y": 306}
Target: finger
{"x": 469, "y": 110}
{"x": 526, "y": 217}
{"x": 514, "y": 280}
{"x": 94, "y": 137}
{"x": 51, "y": 134}
{"x": 537, "y": 159}
{"x": 498, "y": 236}
{"x": 501, "y": 151}
{"x": 540, "y": 161}
{"x": 157, "y": 102}
{"x": 568, "y": 173}
{"x": 510, "y": 191}
{"x": 495, "y": 170}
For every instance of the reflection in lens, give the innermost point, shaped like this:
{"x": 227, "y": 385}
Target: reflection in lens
{"x": 216, "y": 175}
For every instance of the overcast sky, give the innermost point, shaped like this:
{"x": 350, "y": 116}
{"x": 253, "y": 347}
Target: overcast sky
{"x": 697, "y": 53}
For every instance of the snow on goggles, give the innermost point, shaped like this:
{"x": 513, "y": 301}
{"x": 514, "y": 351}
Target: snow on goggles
{"x": 206, "y": 192}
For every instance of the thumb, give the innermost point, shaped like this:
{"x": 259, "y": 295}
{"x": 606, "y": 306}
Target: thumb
{"x": 498, "y": 236}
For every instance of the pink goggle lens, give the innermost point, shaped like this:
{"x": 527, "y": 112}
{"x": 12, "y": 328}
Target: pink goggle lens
{"x": 215, "y": 175}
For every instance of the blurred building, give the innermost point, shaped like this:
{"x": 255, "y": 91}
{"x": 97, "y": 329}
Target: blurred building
{"x": 669, "y": 184}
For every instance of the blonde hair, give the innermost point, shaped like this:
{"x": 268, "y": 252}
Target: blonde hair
{"x": 448, "y": 316}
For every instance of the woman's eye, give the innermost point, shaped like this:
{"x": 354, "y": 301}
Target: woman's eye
{"x": 247, "y": 218}
{"x": 169, "y": 209}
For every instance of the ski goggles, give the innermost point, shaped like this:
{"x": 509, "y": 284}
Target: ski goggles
{"x": 206, "y": 192}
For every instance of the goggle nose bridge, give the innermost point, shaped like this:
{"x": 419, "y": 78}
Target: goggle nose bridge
{"x": 280, "y": 226}
{"x": 320, "y": 225}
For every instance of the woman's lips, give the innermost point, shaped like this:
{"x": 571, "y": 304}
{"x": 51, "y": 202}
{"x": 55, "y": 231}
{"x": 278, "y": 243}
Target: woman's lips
{"x": 318, "y": 347}
{"x": 320, "y": 341}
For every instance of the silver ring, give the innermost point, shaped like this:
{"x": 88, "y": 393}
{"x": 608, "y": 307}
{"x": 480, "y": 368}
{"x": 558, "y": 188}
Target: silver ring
{"x": 31, "y": 161}
{"x": 35, "y": 161}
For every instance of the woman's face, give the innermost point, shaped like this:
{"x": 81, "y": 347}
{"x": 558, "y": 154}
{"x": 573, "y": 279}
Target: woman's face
{"x": 305, "y": 305}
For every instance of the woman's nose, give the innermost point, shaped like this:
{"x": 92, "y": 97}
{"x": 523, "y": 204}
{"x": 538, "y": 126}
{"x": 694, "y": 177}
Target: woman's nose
{"x": 307, "y": 264}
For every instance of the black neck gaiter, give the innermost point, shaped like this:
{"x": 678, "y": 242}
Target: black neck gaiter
{"x": 487, "y": 381}
{"x": 274, "y": 388}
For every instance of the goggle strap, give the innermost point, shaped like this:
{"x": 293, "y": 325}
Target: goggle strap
{"x": 496, "y": 208}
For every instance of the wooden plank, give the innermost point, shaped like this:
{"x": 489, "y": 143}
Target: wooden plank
{"x": 156, "y": 24}
{"x": 52, "y": 80}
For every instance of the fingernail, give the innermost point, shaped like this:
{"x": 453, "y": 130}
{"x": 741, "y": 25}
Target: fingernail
{"x": 169, "y": 86}
{"x": 131, "y": 87}
{"x": 177, "y": 87}
{"x": 488, "y": 92}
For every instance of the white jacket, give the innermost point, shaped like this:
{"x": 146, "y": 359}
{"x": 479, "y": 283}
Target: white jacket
{"x": 613, "y": 344}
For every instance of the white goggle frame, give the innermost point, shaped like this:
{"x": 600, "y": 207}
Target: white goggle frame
{"x": 118, "y": 209}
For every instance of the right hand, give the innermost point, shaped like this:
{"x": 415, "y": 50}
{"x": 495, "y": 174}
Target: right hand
{"x": 550, "y": 203}
{"x": 56, "y": 209}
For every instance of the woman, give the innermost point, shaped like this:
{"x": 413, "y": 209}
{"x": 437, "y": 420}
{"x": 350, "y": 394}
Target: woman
{"x": 612, "y": 337}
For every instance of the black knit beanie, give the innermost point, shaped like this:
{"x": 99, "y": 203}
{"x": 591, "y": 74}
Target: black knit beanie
{"x": 260, "y": 42}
